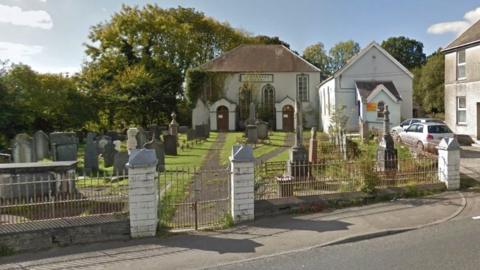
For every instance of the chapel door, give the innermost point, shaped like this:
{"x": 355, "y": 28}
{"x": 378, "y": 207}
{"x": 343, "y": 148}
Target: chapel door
{"x": 222, "y": 118}
{"x": 287, "y": 116}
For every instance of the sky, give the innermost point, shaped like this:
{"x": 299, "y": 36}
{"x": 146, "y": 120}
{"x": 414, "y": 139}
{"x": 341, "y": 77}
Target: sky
{"x": 49, "y": 35}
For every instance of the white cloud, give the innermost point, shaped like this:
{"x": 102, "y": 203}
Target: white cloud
{"x": 17, "y": 52}
{"x": 33, "y": 18}
{"x": 456, "y": 27}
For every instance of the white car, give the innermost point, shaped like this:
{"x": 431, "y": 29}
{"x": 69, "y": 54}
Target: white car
{"x": 425, "y": 136}
{"x": 406, "y": 123}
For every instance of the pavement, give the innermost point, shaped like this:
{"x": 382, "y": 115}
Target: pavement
{"x": 470, "y": 161}
{"x": 264, "y": 238}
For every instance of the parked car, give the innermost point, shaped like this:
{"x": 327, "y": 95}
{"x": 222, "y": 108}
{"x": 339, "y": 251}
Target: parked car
{"x": 406, "y": 123}
{"x": 425, "y": 136}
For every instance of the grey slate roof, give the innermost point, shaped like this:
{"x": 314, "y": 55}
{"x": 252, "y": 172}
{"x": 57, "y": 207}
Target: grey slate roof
{"x": 259, "y": 58}
{"x": 365, "y": 88}
{"x": 470, "y": 36}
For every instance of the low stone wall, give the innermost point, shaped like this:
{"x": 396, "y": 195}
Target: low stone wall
{"x": 316, "y": 203}
{"x": 48, "y": 234}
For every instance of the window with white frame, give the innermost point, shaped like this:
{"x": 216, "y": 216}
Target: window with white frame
{"x": 380, "y": 109}
{"x": 461, "y": 110}
{"x": 461, "y": 65}
{"x": 302, "y": 87}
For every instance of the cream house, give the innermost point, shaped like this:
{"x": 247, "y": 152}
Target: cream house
{"x": 462, "y": 83}
{"x": 361, "y": 89}
{"x": 270, "y": 76}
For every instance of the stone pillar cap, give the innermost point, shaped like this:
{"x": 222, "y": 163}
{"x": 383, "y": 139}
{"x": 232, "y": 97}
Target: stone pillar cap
{"x": 242, "y": 153}
{"x": 142, "y": 158}
{"x": 448, "y": 144}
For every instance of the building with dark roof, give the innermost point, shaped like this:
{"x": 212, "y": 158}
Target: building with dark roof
{"x": 270, "y": 76}
{"x": 362, "y": 88}
{"x": 462, "y": 83}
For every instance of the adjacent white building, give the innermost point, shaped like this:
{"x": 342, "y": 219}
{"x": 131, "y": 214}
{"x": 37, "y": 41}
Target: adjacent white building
{"x": 370, "y": 81}
{"x": 462, "y": 83}
{"x": 271, "y": 76}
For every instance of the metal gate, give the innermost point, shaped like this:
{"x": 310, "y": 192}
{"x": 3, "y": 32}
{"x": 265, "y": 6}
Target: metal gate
{"x": 194, "y": 198}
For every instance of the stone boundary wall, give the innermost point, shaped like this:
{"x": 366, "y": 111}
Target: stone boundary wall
{"x": 34, "y": 240}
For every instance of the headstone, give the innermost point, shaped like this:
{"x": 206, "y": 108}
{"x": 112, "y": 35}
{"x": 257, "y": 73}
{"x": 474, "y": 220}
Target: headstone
{"x": 155, "y": 130}
{"x": 252, "y": 134}
{"x": 23, "y": 148}
{"x": 262, "y": 129}
{"x": 132, "y": 139}
{"x": 386, "y": 152}
{"x": 5, "y": 158}
{"x": 64, "y": 146}
{"x": 251, "y": 114}
{"x": 190, "y": 135}
{"x": 91, "y": 154}
{"x": 298, "y": 161}
{"x": 159, "y": 148}
{"x": 101, "y": 142}
{"x": 183, "y": 129}
{"x": 109, "y": 154}
{"x": 117, "y": 145}
{"x": 170, "y": 143}
{"x": 120, "y": 159}
{"x": 142, "y": 137}
{"x": 41, "y": 145}
{"x": 173, "y": 127}
{"x": 312, "y": 146}
{"x": 201, "y": 131}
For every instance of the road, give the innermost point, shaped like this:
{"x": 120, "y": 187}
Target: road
{"x": 451, "y": 245}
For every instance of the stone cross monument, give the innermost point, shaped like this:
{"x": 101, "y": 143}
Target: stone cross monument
{"x": 386, "y": 152}
{"x": 252, "y": 132}
{"x": 298, "y": 161}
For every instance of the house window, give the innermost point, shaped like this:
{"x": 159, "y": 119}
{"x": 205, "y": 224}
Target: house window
{"x": 461, "y": 65}
{"x": 461, "y": 110}
{"x": 302, "y": 87}
{"x": 268, "y": 101}
{"x": 380, "y": 108}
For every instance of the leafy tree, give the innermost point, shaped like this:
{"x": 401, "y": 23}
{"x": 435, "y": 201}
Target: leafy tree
{"x": 261, "y": 39}
{"x": 341, "y": 53}
{"x": 428, "y": 84}
{"x": 407, "y": 51}
{"x": 317, "y": 55}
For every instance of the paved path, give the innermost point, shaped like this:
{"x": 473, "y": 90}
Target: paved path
{"x": 289, "y": 141}
{"x": 264, "y": 238}
{"x": 470, "y": 162}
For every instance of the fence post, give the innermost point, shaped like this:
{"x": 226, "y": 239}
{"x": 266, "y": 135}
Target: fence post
{"x": 242, "y": 196}
{"x": 449, "y": 163}
{"x": 142, "y": 193}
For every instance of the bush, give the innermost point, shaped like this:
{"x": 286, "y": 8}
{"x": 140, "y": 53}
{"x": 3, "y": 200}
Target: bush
{"x": 369, "y": 176}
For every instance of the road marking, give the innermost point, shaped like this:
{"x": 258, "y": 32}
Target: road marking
{"x": 475, "y": 218}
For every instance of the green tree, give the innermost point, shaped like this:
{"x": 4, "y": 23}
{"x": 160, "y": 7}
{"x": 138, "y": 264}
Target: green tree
{"x": 341, "y": 52}
{"x": 428, "y": 84}
{"x": 317, "y": 55}
{"x": 409, "y": 52}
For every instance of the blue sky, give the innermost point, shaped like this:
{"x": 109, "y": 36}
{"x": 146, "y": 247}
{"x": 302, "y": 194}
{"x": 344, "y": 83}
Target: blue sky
{"x": 49, "y": 34}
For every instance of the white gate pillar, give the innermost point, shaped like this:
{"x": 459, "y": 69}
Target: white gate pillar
{"x": 242, "y": 164}
{"x": 449, "y": 163}
{"x": 142, "y": 193}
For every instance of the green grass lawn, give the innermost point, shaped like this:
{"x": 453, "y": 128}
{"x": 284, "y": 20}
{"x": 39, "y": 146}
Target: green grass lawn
{"x": 192, "y": 156}
{"x": 283, "y": 156}
{"x": 275, "y": 140}
{"x": 231, "y": 139}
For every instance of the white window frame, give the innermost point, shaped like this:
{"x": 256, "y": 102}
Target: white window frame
{"x": 380, "y": 114}
{"x": 462, "y": 65}
{"x": 302, "y": 87}
{"x": 459, "y": 109}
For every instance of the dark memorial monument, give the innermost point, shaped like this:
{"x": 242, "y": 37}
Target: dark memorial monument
{"x": 386, "y": 152}
{"x": 298, "y": 161}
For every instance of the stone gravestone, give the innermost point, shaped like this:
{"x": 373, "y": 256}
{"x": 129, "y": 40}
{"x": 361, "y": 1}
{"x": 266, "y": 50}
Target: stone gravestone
{"x": 252, "y": 132}
{"x": 312, "y": 146}
{"x": 159, "y": 148}
{"x": 262, "y": 129}
{"x": 132, "y": 139}
{"x": 41, "y": 145}
{"x": 173, "y": 127}
{"x": 101, "y": 142}
{"x": 155, "y": 130}
{"x": 170, "y": 143}
{"x": 183, "y": 129}
{"x": 251, "y": 114}
{"x": 91, "y": 154}
{"x": 109, "y": 154}
{"x": 190, "y": 135}
{"x": 298, "y": 161}
{"x": 120, "y": 159}
{"x": 23, "y": 149}
{"x": 64, "y": 146}
{"x": 386, "y": 152}
{"x": 142, "y": 137}
{"x": 200, "y": 131}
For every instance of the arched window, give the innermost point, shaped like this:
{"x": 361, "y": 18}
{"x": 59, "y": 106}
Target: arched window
{"x": 268, "y": 98}
{"x": 380, "y": 108}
